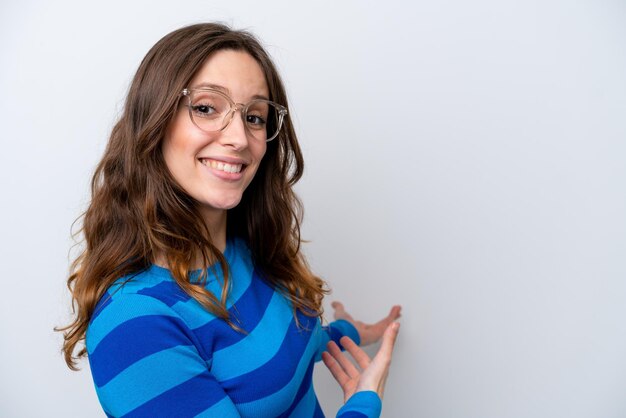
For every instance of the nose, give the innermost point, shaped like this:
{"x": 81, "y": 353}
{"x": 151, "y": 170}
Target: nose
{"x": 235, "y": 133}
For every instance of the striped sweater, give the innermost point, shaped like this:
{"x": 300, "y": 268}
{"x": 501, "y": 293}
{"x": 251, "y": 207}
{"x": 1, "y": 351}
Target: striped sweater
{"x": 155, "y": 352}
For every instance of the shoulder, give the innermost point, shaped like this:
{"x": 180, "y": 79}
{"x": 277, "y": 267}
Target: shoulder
{"x": 135, "y": 328}
{"x": 135, "y": 299}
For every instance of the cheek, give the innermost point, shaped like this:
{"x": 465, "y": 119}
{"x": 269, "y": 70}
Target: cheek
{"x": 180, "y": 145}
{"x": 259, "y": 150}
{"x": 258, "y": 153}
{"x": 172, "y": 145}
{"x": 173, "y": 156}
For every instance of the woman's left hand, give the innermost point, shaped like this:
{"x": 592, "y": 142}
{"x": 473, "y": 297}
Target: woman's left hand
{"x": 369, "y": 333}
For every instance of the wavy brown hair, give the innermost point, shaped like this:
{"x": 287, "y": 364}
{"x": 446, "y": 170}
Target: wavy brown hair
{"x": 138, "y": 211}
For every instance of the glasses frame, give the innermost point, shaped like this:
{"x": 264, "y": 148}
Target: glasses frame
{"x": 234, "y": 106}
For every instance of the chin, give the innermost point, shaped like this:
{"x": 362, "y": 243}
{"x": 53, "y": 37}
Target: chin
{"x": 225, "y": 203}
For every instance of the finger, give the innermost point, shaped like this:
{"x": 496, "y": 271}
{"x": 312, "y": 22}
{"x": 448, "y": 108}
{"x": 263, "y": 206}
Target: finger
{"x": 360, "y": 356}
{"x": 395, "y": 312}
{"x": 393, "y": 315}
{"x": 340, "y": 311}
{"x": 337, "y": 306}
{"x": 389, "y": 340}
{"x": 335, "y": 369}
{"x": 382, "y": 325}
{"x": 343, "y": 361}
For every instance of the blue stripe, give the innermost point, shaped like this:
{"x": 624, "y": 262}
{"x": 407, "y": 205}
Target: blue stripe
{"x": 132, "y": 283}
{"x": 194, "y": 314}
{"x": 246, "y": 313}
{"x": 113, "y": 292}
{"x": 168, "y": 292}
{"x": 152, "y": 376}
{"x": 222, "y": 409}
{"x": 235, "y": 359}
{"x": 270, "y": 404}
{"x": 104, "y": 301}
{"x": 277, "y": 372}
{"x": 122, "y": 311}
{"x": 132, "y": 341}
{"x": 181, "y": 401}
{"x": 241, "y": 278}
{"x": 318, "y": 410}
{"x": 306, "y": 388}
{"x": 306, "y": 406}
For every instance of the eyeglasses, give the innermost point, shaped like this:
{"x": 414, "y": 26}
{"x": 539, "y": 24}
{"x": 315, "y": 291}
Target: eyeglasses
{"x": 212, "y": 111}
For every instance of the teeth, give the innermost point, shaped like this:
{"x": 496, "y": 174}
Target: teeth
{"x": 218, "y": 165}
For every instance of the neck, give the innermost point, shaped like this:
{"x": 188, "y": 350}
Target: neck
{"x": 215, "y": 220}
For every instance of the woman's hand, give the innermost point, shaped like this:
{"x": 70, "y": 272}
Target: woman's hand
{"x": 373, "y": 373}
{"x": 369, "y": 333}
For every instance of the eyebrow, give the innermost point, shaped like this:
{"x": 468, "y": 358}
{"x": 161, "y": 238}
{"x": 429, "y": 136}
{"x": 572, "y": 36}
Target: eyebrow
{"x": 225, "y": 90}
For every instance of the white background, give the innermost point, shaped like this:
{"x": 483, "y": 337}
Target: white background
{"x": 464, "y": 159}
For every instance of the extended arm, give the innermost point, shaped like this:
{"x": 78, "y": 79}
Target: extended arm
{"x": 369, "y": 333}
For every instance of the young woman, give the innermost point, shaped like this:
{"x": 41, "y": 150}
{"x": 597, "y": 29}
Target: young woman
{"x": 192, "y": 294}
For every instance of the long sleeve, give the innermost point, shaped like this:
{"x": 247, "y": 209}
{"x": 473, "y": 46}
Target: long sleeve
{"x": 145, "y": 363}
{"x": 365, "y": 404}
{"x": 334, "y": 331}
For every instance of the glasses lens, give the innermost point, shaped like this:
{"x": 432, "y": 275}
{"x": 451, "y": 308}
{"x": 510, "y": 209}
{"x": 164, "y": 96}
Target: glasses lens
{"x": 209, "y": 110}
{"x": 263, "y": 119}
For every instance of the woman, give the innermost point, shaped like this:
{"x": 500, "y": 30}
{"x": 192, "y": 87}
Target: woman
{"x": 192, "y": 295}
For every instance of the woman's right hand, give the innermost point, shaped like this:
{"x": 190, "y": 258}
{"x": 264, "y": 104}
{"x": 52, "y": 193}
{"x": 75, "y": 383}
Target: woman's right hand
{"x": 373, "y": 373}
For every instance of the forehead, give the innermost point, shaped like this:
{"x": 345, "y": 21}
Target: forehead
{"x": 236, "y": 71}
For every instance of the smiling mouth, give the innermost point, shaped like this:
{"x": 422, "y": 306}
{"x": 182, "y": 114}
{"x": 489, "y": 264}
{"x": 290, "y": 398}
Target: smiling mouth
{"x": 222, "y": 166}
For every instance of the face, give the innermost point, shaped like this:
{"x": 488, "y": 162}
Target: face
{"x": 215, "y": 168}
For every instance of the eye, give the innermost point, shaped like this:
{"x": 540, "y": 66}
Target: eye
{"x": 208, "y": 104}
{"x": 255, "y": 121}
{"x": 203, "y": 110}
{"x": 256, "y": 116}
